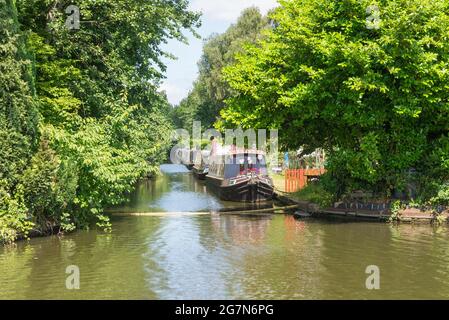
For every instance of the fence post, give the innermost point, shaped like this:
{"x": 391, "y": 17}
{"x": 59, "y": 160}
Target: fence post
{"x": 296, "y": 180}
{"x": 302, "y": 179}
{"x": 292, "y": 180}
{"x": 285, "y": 180}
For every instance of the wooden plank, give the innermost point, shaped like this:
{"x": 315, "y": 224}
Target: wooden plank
{"x": 174, "y": 214}
{"x": 286, "y": 181}
{"x": 295, "y": 181}
{"x": 314, "y": 172}
{"x": 157, "y": 214}
{"x": 268, "y": 210}
{"x": 302, "y": 179}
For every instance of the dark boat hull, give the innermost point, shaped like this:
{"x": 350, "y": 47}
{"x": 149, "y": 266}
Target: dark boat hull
{"x": 251, "y": 190}
{"x": 199, "y": 173}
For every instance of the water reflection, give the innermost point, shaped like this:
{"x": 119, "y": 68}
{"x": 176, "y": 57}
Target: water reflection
{"x": 221, "y": 256}
{"x": 175, "y": 191}
{"x": 411, "y": 259}
{"x": 240, "y": 229}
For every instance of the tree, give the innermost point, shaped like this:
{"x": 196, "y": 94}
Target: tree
{"x": 93, "y": 94}
{"x": 375, "y": 96}
{"x": 18, "y": 121}
{"x": 210, "y": 90}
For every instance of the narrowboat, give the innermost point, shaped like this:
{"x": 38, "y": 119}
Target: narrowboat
{"x": 200, "y": 172}
{"x": 200, "y": 164}
{"x": 240, "y": 176}
{"x": 186, "y": 158}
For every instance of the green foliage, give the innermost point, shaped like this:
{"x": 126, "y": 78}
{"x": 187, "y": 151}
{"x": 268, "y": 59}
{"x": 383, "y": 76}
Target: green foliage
{"x": 18, "y": 116}
{"x": 440, "y": 219}
{"x": 315, "y": 193}
{"x": 81, "y": 118}
{"x": 442, "y": 196}
{"x": 210, "y": 90}
{"x": 39, "y": 182}
{"x": 14, "y": 218}
{"x": 376, "y": 99}
{"x": 395, "y": 209}
{"x": 18, "y": 124}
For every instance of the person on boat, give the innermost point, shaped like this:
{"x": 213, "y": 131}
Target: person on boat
{"x": 214, "y": 146}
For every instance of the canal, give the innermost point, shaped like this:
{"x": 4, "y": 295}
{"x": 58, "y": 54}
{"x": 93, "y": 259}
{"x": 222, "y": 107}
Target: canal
{"x": 221, "y": 256}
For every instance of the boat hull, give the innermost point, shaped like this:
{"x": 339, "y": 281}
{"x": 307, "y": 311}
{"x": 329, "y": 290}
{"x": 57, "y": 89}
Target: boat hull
{"x": 200, "y": 173}
{"x": 248, "y": 190}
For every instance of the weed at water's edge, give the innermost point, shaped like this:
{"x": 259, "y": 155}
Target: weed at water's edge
{"x": 315, "y": 193}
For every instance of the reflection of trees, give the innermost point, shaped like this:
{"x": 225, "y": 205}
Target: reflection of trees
{"x": 272, "y": 257}
{"x": 111, "y": 265}
{"x": 413, "y": 261}
{"x": 228, "y": 256}
{"x": 285, "y": 265}
{"x": 292, "y": 259}
{"x": 425, "y": 263}
{"x": 14, "y": 271}
{"x": 150, "y": 191}
{"x": 240, "y": 229}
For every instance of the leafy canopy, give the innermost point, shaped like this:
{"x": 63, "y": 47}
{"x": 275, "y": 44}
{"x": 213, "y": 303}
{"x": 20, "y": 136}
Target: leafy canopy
{"x": 375, "y": 98}
{"x": 81, "y": 116}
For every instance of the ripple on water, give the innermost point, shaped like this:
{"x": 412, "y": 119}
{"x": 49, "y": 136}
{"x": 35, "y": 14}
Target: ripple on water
{"x": 177, "y": 201}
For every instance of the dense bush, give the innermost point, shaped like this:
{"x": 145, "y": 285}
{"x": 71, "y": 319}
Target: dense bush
{"x": 18, "y": 124}
{"x": 81, "y": 116}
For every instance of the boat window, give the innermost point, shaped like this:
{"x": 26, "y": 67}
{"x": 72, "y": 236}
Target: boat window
{"x": 232, "y": 169}
{"x": 243, "y": 165}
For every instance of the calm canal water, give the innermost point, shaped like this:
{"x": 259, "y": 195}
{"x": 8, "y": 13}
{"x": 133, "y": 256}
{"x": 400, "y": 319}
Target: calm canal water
{"x": 226, "y": 257}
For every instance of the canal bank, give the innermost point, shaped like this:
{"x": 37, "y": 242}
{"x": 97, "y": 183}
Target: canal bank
{"x": 379, "y": 211}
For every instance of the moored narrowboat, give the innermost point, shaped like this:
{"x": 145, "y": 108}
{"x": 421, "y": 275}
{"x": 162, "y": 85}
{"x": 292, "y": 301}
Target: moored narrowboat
{"x": 201, "y": 168}
{"x": 240, "y": 176}
{"x": 186, "y": 157}
{"x": 200, "y": 172}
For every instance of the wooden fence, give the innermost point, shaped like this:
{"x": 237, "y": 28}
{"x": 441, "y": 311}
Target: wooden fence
{"x": 297, "y": 179}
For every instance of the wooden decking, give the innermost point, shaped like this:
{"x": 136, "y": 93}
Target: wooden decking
{"x": 359, "y": 211}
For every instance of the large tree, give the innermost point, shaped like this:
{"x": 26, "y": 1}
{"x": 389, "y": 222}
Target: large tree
{"x": 103, "y": 123}
{"x": 210, "y": 89}
{"x": 98, "y": 92}
{"x": 18, "y": 121}
{"x": 366, "y": 80}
